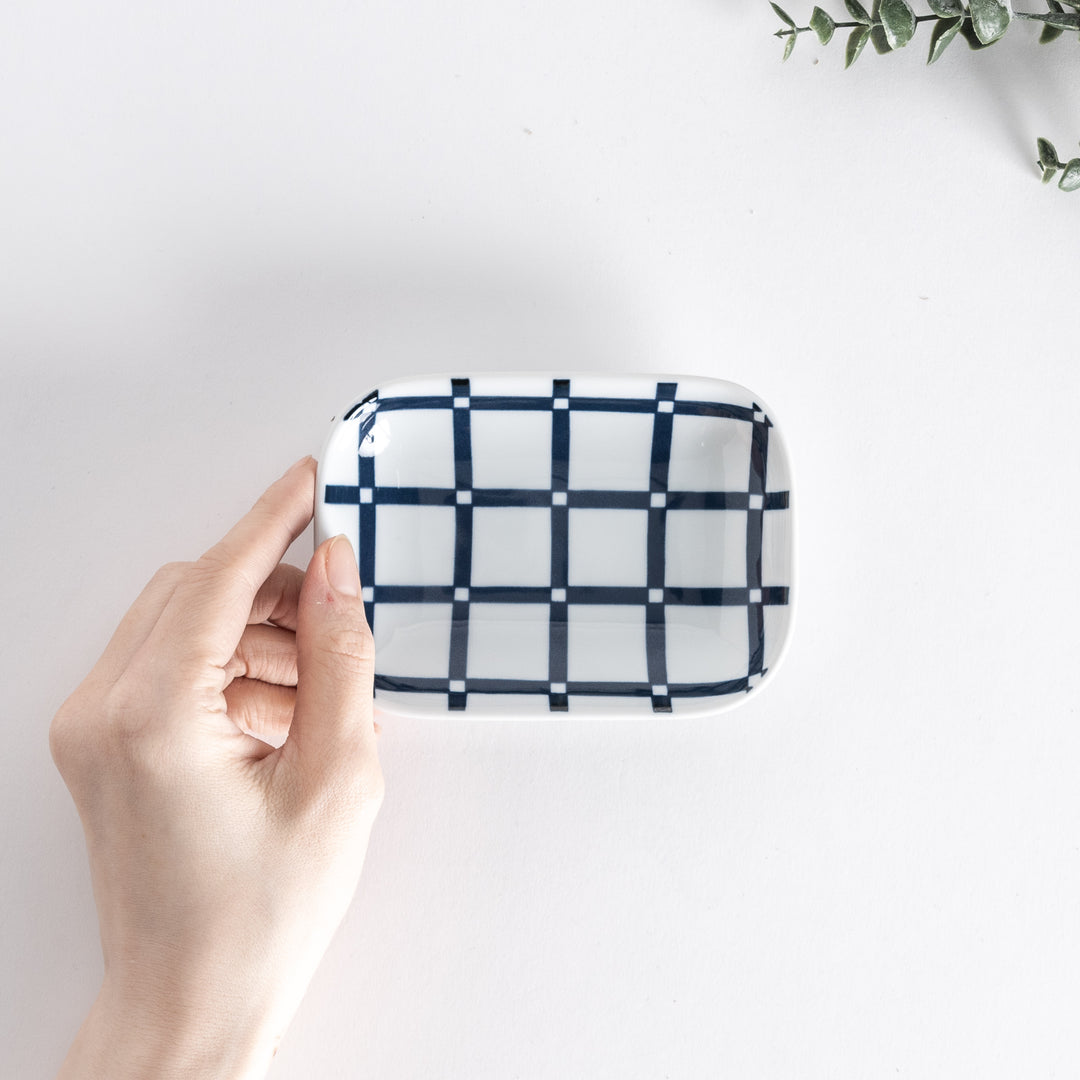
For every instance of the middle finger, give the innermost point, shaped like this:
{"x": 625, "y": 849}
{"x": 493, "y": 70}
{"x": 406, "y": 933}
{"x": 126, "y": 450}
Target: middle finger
{"x": 265, "y": 653}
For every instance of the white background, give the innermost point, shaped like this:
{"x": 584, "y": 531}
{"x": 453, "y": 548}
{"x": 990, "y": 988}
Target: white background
{"x": 220, "y": 222}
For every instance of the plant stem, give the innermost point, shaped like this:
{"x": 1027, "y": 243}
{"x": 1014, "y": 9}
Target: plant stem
{"x": 852, "y": 25}
{"x": 918, "y": 19}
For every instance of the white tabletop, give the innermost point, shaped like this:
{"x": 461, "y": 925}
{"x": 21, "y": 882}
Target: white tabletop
{"x": 222, "y": 222}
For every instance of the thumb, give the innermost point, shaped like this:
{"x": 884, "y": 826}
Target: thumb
{"x": 333, "y": 721}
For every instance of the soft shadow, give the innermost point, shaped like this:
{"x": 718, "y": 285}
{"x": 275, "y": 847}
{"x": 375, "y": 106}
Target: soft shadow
{"x": 1031, "y": 87}
{"x": 352, "y": 318}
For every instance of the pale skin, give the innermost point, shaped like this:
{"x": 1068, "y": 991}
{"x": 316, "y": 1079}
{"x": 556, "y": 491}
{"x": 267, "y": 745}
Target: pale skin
{"x": 222, "y": 756}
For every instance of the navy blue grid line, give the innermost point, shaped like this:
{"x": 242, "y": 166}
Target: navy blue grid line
{"x": 771, "y": 596}
{"x": 413, "y": 684}
{"x": 459, "y": 625}
{"x": 582, "y": 499}
{"x": 576, "y": 404}
{"x": 525, "y": 404}
{"x": 655, "y": 623}
{"x": 629, "y": 595}
{"x": 367, "y": 423}
{"x": 755, "y": 616}
{"x": 373, "y": 396}
{"x": 365, "y": 468}
{"x": 558, "y": 640}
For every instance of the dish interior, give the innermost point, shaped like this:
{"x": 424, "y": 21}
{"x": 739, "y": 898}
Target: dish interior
{"x": 555, "y": 545}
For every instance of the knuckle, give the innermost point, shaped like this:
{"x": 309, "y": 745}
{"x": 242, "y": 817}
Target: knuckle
{"x": 219, "y": 566}
{"x": 171, "y": 572}
{"x": 350, "y": 646}
{"x": 263, "y": 506}
{"x": 166, "y": 578}
{"x": 100, "y": 730}
{"x": 237, "y": 666}
{"x": 96, "y": 729}
{"x": 64, "y": 732}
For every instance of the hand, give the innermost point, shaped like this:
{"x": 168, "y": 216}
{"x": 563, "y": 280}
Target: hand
{"x": 222, "y": 865}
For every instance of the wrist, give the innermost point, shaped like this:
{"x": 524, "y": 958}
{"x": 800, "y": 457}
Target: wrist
{"x": 170, "y": 1039}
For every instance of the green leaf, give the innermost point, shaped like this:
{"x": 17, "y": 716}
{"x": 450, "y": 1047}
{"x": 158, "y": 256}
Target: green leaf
{"x": 789, "y": 48}
{"x": 946, "y": 9}
{"x": 822, "y": 25}
{"x": 860, "y": 14}
{"x": 899, "y": 22}
{"x": 943, "y": 34}
{"x": 1048, "y": 158}
{"x": 783, "y": 15}
{"x": 1070, "y": 178}
{"x": 856, "y": 42}
{"x": 1048, "y": 175}
{"x": 990, "y": 18}
{"x": 967, "y": 32}
{"x": 879, "y": 40}
{"x": 878, "y": 37}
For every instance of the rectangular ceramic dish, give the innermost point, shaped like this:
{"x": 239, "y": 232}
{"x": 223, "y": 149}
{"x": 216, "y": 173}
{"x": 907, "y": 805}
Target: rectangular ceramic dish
{"x": 549, "y": 545}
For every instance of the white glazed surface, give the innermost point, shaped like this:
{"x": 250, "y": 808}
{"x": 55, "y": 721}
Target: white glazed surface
{"x": 504, "y": 627}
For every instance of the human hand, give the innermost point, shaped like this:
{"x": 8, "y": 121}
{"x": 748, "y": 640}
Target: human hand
{"x": 221, "y": 865}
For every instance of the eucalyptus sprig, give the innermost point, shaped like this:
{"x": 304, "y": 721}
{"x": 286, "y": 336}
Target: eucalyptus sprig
{"x": 891, "y": 24}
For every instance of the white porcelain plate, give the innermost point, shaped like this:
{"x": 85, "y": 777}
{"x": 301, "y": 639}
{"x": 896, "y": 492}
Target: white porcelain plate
{"x": 564, "y": 546}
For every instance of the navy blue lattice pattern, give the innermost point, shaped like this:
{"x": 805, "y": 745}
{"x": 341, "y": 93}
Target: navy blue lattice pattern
{"x": 662, "y": 603}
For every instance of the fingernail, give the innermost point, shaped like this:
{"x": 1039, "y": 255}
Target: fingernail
{"x": 341, "y": 569}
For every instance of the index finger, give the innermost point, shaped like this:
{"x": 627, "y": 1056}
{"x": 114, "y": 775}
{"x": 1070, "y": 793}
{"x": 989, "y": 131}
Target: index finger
{"x": 210, "y": 608}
